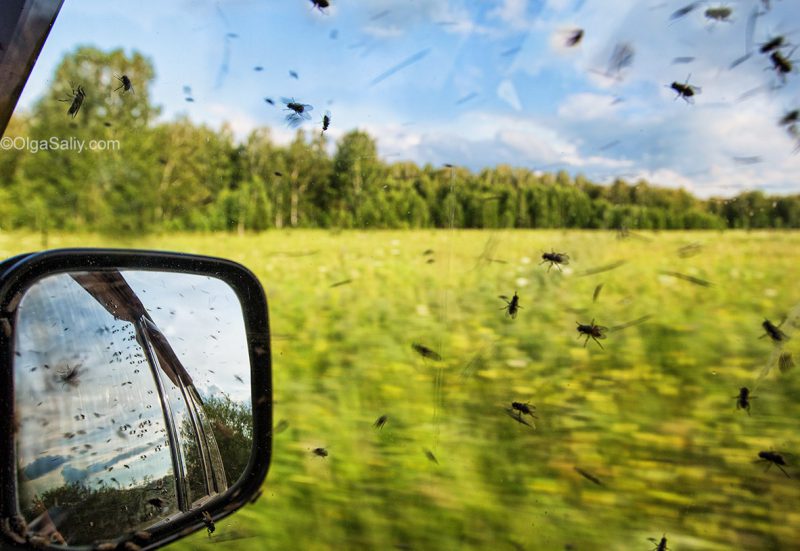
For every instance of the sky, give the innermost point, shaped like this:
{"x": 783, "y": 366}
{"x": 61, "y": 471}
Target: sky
{"x": 477, "y": 82}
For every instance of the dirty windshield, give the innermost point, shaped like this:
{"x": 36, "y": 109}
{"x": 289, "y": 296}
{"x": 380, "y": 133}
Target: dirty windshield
{"x": 531, "y": 264}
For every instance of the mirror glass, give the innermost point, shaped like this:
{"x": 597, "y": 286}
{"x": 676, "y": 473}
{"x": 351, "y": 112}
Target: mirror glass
{"x": 132, "y": 400}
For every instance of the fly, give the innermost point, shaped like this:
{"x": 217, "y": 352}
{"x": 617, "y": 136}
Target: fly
{"x": 592, "y": 331}
{"x": 381, "y": 421}
{"x": 326, "y": 121}
{"x": 426, "y": 352}
{"x": 78, "y": 95}
{"x": 320, "y": 452}
{"x": 321, "y": 5}
{"x": 685, "y": 90}
{"x": 660, "y": 545}
{"x": 209, "y": 523}
{"x": 720, "y": 13}
{"x": 743, "y": 399}
{"x": 773, "y": 331}
{"x": 126, "y": 85}
{"x": 773, "y": 458}
{"x": 555, "y": 259}
{"x": 512, "y": 306}
{"x": 70, "y": 376}
{"x": 430, "y": 456}
{"x": 574, "y": 38}
{"x": 299, "y": 111}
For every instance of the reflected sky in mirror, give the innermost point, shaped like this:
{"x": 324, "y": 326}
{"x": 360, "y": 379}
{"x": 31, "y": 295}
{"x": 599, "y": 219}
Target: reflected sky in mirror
{"x": 88, "y": 404}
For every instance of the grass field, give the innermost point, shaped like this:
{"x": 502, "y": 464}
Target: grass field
{"x": 652, "y": 415}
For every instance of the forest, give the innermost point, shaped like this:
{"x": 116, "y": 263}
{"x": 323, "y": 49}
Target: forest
{"x": 182, "y": 176}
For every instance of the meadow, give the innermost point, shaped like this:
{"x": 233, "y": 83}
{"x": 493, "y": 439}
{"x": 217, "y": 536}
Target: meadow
{"x": 651, "y": 416}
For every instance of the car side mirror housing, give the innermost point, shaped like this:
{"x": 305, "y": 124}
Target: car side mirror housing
{"x": 135, "y": 397}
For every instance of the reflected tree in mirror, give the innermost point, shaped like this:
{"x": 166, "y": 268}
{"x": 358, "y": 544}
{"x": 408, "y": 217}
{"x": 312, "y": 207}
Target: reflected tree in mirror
{"x": 132, "y": 400}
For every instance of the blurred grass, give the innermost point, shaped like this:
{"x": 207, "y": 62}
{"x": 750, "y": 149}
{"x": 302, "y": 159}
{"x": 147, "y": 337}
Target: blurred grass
{"x": 652, "y": 415}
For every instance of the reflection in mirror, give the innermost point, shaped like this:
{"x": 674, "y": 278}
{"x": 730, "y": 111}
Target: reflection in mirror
{"x": 132, "y": 400}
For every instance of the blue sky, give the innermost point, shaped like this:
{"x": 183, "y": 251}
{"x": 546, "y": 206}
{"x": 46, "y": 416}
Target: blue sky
{"x": 528, "y": 100}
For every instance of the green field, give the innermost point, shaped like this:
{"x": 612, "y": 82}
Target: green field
{"x": 652, "y": 415}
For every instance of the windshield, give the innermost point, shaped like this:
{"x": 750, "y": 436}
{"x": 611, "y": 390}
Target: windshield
{"x": 530, "y": 263}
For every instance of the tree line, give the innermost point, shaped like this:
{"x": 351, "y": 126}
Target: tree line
{"x": 179, "y": 175}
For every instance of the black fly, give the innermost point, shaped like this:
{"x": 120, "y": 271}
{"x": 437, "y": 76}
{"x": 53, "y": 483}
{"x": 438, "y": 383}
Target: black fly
{"x": 660, "y": 545}
{"x": 555, "y": 259}
{"x": 685, "y": 90}
{"x": 299, "y": 111}
{"x": 321, "y": 5}
{"x": 574, "y": 38}
{"x": 781, "y": 64}
{"x": 430, "y": 456}
{"x": 126, "y": 85}
{"x": 426, "y": 352}
{"x": 743, "y": 399}
{"x": 518, "y": 409}
{"x": 773, "y": 458}
{"x": 78, "y": 95}
{"x": 773, "y": 44}
{"x": 592, "y": 331}
{"x": 512, "y": 306}
{"x": 326, "y": 121}
{"x": 70, "y": 376}
{"x": 209, "y": 522}
{"x": 720, "y": 13}
{"x": 320, "y": 452}
{"x": 685, "y": 10}
{"x": 378, "y": 424}
{"x": 773, "y": 331}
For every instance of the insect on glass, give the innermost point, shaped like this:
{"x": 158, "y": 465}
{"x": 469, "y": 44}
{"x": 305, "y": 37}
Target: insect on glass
{"x": 743, "y": 399}
{"x": 555, "y": 259}
{"x": 299, "y": 111}
{"x": 773, "y": 458}
{"x": 126, "y": 85}
{"x": 512, "y": 306}
{"x": 78, "y": 95}
{"x": 685, "y": 90}
{"x": 592, "y": 331}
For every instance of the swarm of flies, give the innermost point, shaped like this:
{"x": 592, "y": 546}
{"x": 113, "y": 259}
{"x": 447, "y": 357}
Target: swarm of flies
{"x": 554, "y": 259}
{"x": 686, "y": 91}
{"x": 75, "y": 101}
{"x": 512, "y": 306}
{"x": 773, "y": 458}
{"x": 743, "y": 399}
{"x": 299, "y": 112}
{"x": 592, "y": 331}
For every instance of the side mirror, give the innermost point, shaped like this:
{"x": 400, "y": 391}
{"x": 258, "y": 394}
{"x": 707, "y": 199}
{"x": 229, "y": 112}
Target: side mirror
{"x": 135, "y": 397}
